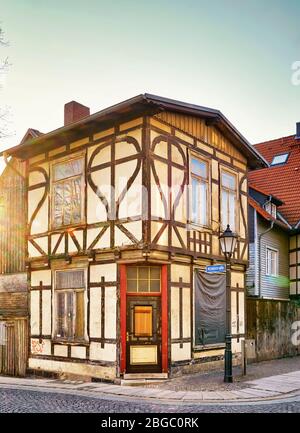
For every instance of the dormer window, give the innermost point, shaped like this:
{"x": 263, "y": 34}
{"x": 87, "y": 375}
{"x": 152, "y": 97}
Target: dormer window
{"x": 280, "y": 159}
{"x": 271, "y": 208}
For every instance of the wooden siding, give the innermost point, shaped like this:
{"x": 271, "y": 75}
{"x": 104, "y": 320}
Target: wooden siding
{"x": 250, "y": 276}
{"x": 199, "y": 129}
{"x": 274, "y": 287}
{"x": 12, "y": 218}
{"x": 13, "y": 355}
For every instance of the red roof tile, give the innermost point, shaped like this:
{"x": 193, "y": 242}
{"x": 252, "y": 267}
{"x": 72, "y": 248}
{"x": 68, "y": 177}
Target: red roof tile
{"x": 282, "y": 180}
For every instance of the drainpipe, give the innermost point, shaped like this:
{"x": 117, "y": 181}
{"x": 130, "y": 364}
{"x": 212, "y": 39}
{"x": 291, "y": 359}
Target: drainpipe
{"x": 259, "y": 255}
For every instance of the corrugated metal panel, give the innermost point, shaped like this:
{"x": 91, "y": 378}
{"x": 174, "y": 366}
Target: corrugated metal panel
{"x": 14, "y": 349}
{"x": 13, "y": 304}
{"x": 198, "y": 128}
{"x": 12, "y": 219}
{"x": 274, "y": 287}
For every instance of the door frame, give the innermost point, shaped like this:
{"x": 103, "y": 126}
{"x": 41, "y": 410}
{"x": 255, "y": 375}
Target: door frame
{"x": 164, "y": 317}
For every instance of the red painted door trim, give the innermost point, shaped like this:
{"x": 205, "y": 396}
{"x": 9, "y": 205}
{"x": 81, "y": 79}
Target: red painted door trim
{"x": 123, "y": 317}
{"x": 164, "y": 318}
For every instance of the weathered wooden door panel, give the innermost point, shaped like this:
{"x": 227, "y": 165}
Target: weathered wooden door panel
{"x": 143, "y": 335}
{"x": 13, "y": 349}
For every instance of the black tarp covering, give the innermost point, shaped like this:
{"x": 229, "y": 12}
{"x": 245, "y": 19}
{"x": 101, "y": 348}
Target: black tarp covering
{"x": 210, "y": 308}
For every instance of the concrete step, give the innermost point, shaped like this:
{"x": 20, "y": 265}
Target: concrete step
{"x": 145, "y": 376}
{"x": 140, "y": 379}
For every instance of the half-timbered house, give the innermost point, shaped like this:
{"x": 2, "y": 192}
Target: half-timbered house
{"x": 125, "y": 207}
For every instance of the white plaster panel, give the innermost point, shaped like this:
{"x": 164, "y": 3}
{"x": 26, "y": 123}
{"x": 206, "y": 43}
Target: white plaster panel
{"x": 186, "y": 312}
{"x": 174, "y": 312}
{"x": 46, "y": 312}
{"x": 108, "y": 353}
{"x": 78, "y": 352}
{"x": 95, "y": 312}
{"x": 34, "y": 312}
{"x": 38, "y": 276}
{"x": 180, "y": 354}
{"x": 107, "y": 270}
{"x": 60, "y": 350}
{"x": 110, "y": 312}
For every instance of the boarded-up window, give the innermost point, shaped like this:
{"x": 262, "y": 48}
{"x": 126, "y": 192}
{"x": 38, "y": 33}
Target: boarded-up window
{"x": 70, "y": 286}
{"x": 143, "y": 321}
{"x": 67, "y": 201}
{"x": 210, "y": 308}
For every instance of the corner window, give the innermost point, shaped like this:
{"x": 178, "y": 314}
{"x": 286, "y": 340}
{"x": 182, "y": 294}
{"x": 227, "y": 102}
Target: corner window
{"x": 199, "y": 193}
{"x": 271, "y": 209}
{"x": 228, "y": 200}
{"x": 67, "y": 193}
{"x": 272, "y": 262}
{"x": 280, "y": 159}
{"x": 69, "y": 301}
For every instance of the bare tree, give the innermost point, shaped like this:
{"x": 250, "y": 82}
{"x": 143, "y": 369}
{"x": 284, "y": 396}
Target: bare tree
{"x": 4, "y": 64}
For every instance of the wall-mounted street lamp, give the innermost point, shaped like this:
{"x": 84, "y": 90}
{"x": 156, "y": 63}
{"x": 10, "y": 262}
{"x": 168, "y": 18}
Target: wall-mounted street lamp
{"x": 228, "y": 243}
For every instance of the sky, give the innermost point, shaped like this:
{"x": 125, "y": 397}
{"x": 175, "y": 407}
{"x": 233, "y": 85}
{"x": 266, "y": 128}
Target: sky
{"x": 234, "y": 55}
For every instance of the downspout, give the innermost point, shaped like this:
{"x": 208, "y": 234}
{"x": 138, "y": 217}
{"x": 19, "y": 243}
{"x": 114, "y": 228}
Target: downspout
{"x": 259, "y": 255}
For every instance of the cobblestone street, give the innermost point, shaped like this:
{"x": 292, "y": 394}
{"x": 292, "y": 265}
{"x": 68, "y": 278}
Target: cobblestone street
{"x": 27, "y": 401}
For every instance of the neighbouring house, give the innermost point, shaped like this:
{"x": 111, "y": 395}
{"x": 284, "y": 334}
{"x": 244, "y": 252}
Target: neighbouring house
{"x": 13, "y": 274}
{"x": 273, "y": 276}
{"x": 125, "y": 207}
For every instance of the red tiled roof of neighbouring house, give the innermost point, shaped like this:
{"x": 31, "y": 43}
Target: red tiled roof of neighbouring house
{"x": 282, "y": 180}
{"x": 264, "y": 192}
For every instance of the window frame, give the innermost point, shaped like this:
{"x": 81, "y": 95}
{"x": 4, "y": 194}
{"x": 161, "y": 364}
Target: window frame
{"x": 236, "y": 213}
{"x": 273, "y": 250}
{"x": 84, "y": 338}
{"x": 144, "y": 293}
{"x": 79, "y": 155}
{"x": 280, "y": 163}
{"x": 273, "y": 209}
{"x": 207, "y": 181}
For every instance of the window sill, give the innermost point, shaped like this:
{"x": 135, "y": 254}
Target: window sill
{"x": 209, "y": 347}
{"x": 199, "y": 227}
{"x": 70, "y": 342}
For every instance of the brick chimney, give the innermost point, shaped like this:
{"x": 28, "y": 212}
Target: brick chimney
{"x": 298, "y": 131}
{"x": 74, "y": 112}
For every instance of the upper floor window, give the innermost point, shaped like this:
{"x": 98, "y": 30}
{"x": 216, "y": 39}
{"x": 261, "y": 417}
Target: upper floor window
{"x": 271, "y": 209}
{"x": 143, "y": 279}
{"x": 228, "y": 200}
{"x": 272, "y": 262}
{"x": 69, "y": 300}
{"x": 67, "y": 193}
{"x": 199, "y": 180}
{"x": 280, "y": 159}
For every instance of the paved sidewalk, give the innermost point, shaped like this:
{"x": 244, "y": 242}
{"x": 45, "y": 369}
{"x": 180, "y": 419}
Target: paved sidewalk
{"x": 267, "y": 388}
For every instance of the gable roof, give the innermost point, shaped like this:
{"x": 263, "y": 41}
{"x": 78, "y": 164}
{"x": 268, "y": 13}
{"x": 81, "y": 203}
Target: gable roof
{"x": 281, "y": 180}
{"x": 30, "y": 134}
{"x": 137, "y": 106}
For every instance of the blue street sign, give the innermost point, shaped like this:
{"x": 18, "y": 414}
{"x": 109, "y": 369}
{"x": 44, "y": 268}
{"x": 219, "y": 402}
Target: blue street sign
{"x": 215, "y": 268}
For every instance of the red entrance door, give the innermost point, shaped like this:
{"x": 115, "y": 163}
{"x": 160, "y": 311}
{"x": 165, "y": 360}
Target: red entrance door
{"x": 144, "y": 319}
